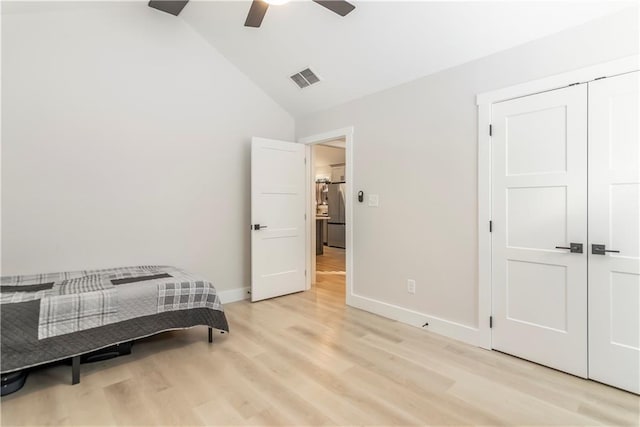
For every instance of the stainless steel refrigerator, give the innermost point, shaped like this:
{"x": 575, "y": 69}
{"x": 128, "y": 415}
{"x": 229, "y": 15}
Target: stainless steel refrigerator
{"x": 337, "y": 218}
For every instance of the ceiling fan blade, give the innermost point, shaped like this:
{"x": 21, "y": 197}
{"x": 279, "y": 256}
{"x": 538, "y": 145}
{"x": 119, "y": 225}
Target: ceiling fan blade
{"x": 340, "y": 7}
{"x": 256, "y": 13}
{"x": 169, "y": 6}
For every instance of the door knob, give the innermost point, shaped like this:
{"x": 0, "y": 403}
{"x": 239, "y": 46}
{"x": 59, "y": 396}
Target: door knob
{"x": 258, "y": 227}
{"x": 574, "y": 248}
{"x": 602, "y": 250}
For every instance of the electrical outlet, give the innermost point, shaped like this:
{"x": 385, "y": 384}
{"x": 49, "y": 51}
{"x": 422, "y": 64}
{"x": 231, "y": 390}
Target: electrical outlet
{"x": 411, "y": 286}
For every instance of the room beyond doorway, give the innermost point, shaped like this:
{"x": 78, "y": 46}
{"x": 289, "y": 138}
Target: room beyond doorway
{"x": 341, "y": 139}
{"x": 329, "y": 177}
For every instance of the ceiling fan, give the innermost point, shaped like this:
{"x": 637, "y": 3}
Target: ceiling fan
{"x": 258, "y": 8}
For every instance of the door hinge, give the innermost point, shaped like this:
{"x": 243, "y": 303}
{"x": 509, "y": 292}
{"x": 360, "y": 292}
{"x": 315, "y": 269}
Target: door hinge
{"x": 490, "y": 322}
{"x": 490, "y": 226}
{"x": 490, "y": 130}
{"x": 305, "y": 273}
{"x": 305, "y": 160}
{"x": 305, "y": 217}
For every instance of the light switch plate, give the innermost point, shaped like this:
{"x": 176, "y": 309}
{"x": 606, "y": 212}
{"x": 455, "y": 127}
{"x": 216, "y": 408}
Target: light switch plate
{"x": 374, "y": 200}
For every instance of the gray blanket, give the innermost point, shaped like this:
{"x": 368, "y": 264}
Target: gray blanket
{"x": 50, "y": 317}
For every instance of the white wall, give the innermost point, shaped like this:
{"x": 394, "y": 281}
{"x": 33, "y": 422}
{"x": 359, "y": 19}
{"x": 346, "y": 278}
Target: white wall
{"x": 416, "y": 146}
{"x": 125, "y": 140}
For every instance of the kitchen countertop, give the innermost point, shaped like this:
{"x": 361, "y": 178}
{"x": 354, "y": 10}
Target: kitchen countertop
{"x": 322, "y": 217}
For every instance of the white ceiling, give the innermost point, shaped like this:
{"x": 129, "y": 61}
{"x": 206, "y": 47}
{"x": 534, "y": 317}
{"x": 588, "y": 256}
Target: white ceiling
{"x": 379, "y": 45}
{"x": 336, "y": 143}
{"x": 324, "y": 155}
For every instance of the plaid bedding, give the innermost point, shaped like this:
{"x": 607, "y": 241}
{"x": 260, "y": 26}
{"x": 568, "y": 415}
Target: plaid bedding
{"x": 186, "y": 295}
{"x": 47, "y": 317}
{"x": 14, "y": 289}
{"x": 71, "y": 312}
{"x": 79, "y": 285}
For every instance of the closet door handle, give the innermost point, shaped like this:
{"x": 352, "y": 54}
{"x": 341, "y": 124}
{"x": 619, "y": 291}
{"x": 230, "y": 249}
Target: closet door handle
{"x": 602, "y": 250}
{"x": 574, "y": 248}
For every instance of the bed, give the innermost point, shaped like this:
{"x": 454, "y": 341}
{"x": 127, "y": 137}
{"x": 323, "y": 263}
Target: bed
{"x": 51, "y": 317}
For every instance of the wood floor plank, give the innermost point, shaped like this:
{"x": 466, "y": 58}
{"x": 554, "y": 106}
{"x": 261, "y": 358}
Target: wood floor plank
{"x": 332, "y": 259}
{"x": 218, "y": 412}
{"x": 128, "y": 404}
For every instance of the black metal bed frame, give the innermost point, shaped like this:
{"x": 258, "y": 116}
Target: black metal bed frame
{"x": 75, "y": 362}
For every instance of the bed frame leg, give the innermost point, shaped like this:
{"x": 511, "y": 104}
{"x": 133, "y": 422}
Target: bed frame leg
{"x": 75, "y": 370}
{"x": 210, "y": 334}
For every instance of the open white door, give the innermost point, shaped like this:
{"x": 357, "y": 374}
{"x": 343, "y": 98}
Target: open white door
{"x": 614, "y": 225}
{"x": 278, "y": 243}
{"x": 540, "y": 228}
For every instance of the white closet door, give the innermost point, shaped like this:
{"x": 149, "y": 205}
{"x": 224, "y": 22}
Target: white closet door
{"x": 614, "y": 221}
{"x": 539, "y": 203}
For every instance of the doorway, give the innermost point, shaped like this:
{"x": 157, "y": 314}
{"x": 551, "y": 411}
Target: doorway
{"x": 328, "y": 174}
{"x": 330, "y": 202}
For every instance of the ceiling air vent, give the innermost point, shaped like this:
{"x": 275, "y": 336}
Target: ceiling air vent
{"x": 305, "y": 78}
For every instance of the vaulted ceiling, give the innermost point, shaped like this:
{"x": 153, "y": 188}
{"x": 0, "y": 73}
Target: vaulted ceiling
{"x": 379, "y": 45}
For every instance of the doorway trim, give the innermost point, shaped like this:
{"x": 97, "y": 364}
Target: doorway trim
{"x": 484, "y": 101}
{"x": 347, "y": 134}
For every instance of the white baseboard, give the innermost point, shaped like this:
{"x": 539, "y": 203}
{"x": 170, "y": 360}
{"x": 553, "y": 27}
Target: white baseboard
{"x": 440, "y": 326}
{"x": 454, "y": 330}
{"x": 233, "y": 295}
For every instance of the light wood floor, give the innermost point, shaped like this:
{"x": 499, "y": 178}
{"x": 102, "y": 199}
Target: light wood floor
{"x": 306, "y": 359}
{"x": 333, "y": 259}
